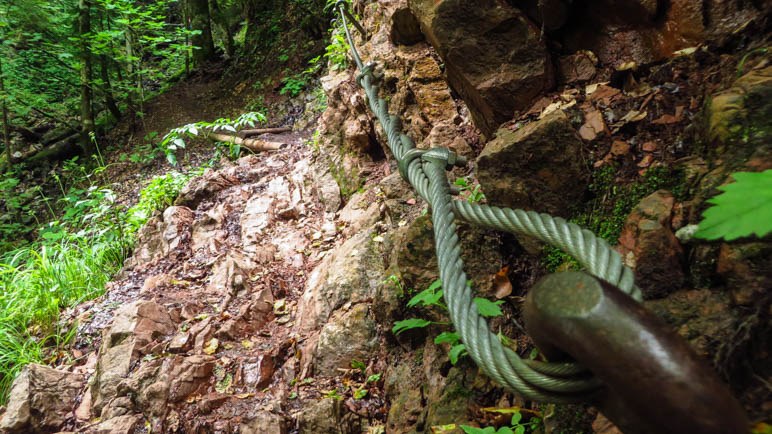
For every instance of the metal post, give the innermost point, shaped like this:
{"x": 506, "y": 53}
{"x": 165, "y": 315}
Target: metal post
{"x": 654, "y": 382}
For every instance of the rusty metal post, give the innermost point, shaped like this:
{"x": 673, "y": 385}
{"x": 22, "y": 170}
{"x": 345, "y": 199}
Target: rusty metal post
{"x": 654, "y": 382}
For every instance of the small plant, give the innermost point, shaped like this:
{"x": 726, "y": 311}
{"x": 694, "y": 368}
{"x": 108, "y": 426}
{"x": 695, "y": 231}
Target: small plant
{"x": 159, "y": 194}
{"x": 293, "y": 85}
{"x": 432, "y": 296}
{"x": 516, "y": 425}
{"x": 472, "y": 194}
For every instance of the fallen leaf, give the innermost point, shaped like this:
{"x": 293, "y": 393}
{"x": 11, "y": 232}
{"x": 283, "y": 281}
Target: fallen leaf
{"x": 670, "y": 119}
{"x": 619, "y": 147}
{"x": 539, "y": 105}
{"x": 591, "y": 88}
{"x": 685, "y": 51}
{"x": 410, "y": 201}
{"x": 646, "y": 161}
{"x": 501, "y": 283}
{"x": 649, "y": 146}
{"x": 633, "y": 116}
{"x": 626, "y": 66}
{"x": 555, "y": 106}
{"x": 604, "y": 91}
{"x": 244, "y": 395}
{"x": 593, "y": 125}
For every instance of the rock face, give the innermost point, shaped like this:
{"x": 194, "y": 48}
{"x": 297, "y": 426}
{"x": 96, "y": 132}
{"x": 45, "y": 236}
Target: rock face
{"x": 494, "y": 57}
{"x": 645, "y": 31}
{"x": 537, "y": 167}
{"x": 136, "y": 331}
{"x": 650, "y": 247}
{"x": 41, "y": 400}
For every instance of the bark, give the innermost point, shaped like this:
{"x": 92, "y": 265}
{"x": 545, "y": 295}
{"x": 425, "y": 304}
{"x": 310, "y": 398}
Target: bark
{"x": 257, "y": 131}
{"x": 86, "y": 93}
{"x": 198, "y": 11}
{"x": 254, "y": 145}
{"x": 57, "y": 151}
{"x": 107, "y": 88}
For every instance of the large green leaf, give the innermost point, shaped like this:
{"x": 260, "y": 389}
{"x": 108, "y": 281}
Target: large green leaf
{"x": 743, "y": 209}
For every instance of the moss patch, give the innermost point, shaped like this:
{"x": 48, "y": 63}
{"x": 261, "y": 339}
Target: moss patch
{"x": 611, "y": 203}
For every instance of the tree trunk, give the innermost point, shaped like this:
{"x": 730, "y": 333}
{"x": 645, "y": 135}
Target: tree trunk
{"x": 254, "y": 145}
{"x": 107, "y": 88}
{"x": 198, "y": 11}
{"x": 86, "y": 93}
{"x": 6, "y": 127}
{"x": 221, "y": 19}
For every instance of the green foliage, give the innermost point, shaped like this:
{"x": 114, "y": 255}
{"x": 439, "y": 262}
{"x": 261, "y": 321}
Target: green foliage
{"x": 472, "y": 194}
{"x": 158, "y": 195}
{"x": 293, "y": 85}
{"x": 433, "y": 297}
{"x": 409, "y": 324}
{"x": 743, "y": 209}
{"x": 516, "y": 426}
{"x": 488, "y": 308}
{"x": 175, "y": 139}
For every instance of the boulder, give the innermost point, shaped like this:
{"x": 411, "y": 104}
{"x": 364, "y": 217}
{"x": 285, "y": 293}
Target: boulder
{"x": 648, "y": 245}
{"x": 205, "y": 186}
{"x": 42, "y": 399}
{"x": 163, "y": 235}
{"x": 117, "y": 425}
{"x": 264, "y": 423}
{"x": 538, "y": 167}
{"x": 494, "y": 56}
{"x": 353, "y": 273}
{"x": 415, "y": 255}
{"x": 137, "y": 329}
{"x": 349, "y": 334}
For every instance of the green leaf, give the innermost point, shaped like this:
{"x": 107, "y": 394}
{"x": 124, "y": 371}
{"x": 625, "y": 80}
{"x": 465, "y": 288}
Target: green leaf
{"x": 456, "y": 352}
{"x": 360, "y": 393}
{"x": 488, "y": 308}
{"x": 474, "y": 430}
{"x": 359, "y": 365}
{"x": 408, "y": 324}
{"x": 516, "y": 418}
{"x": 520, "y": 429}
{"x": 427, "y": 297}
{"x": 743, "y": 209}
{"x": 451, "y": 338}
{"x": 374, "y": 378}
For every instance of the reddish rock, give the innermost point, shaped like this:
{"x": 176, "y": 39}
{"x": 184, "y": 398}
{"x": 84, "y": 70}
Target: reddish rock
{"x": 577, "y": 67}
{"x": 41, "y": 400}
{"x": 494, "y": 56}
{"x": 537, "y": 167}
{"x": 649, "y": 245}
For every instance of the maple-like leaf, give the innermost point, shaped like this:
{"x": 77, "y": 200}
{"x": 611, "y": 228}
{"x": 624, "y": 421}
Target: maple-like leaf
{"x": 743, "y": 209}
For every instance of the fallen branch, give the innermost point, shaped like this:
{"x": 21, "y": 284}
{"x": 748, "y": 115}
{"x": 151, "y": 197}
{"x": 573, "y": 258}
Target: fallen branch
{"x": 256, "y": 131}
{"x": 255, "y": 145}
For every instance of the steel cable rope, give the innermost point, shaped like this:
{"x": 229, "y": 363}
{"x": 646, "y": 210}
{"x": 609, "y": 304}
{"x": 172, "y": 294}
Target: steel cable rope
{"x": 425, "y": 171}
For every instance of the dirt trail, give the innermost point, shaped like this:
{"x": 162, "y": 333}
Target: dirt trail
{"x": 229, "y": 264}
